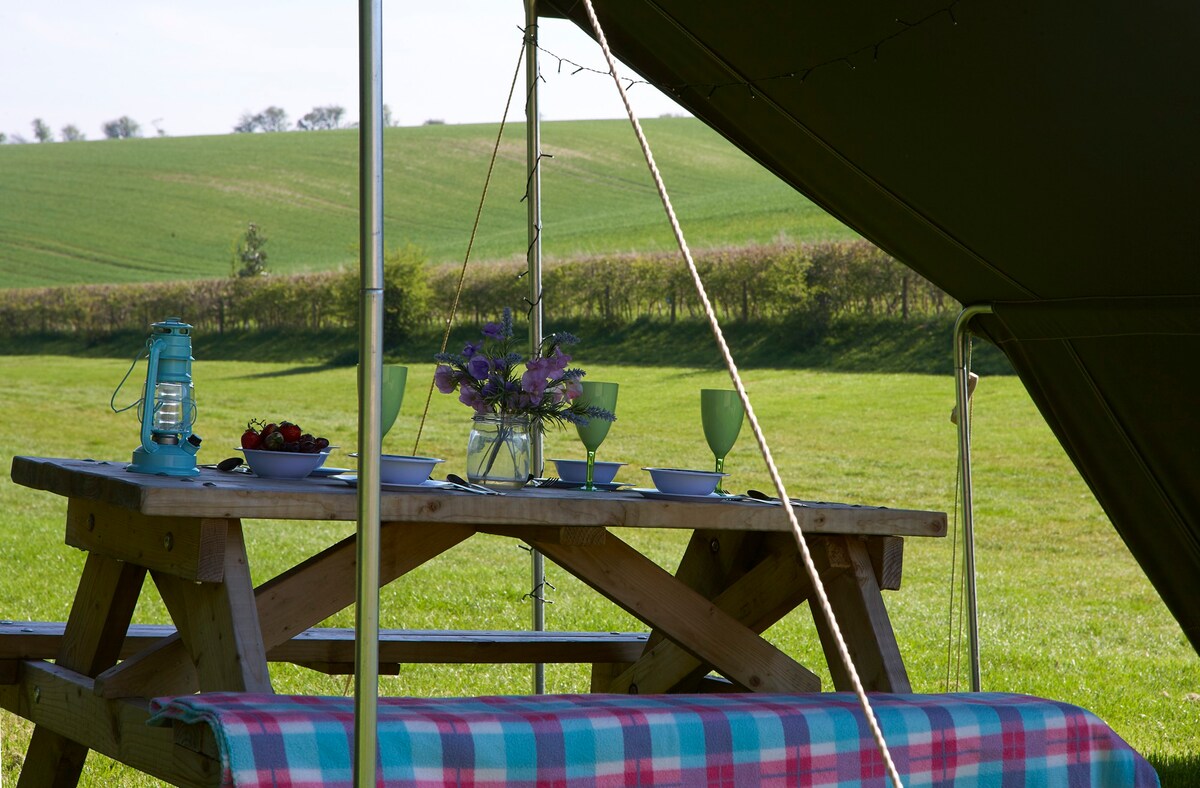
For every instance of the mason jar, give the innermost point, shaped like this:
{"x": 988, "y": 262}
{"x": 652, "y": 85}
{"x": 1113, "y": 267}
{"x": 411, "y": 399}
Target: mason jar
{"x": 498, "y": 451}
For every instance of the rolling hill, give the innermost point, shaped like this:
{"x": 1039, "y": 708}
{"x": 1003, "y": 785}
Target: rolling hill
{"x": 172, "y": 208}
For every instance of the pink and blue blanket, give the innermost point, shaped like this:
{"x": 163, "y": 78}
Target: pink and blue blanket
{"x": 984, "y": 739}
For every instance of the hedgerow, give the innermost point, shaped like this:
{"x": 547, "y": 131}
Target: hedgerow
{"x": 770, "y": 282}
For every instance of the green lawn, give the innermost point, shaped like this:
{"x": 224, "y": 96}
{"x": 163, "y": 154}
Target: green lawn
{"x": 171, "y": 208}
{"x": 1065, "y": 611}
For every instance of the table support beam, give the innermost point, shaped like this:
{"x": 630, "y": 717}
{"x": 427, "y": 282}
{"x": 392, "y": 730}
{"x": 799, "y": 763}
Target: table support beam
{"x": 649, "y": 592}
{"x": 100, "y": 616}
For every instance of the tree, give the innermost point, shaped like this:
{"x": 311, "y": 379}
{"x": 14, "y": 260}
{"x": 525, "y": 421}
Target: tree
{"x": 71, "y": 133}
{"x": 41, "y": 131}
{"x": 273, "y": 119}
{"x": 3, "y": 138}
{"x": 321, "y": 118}
{"x": 123, "y": 127}
{"x": 249, "y": 259}
{"x": 270, "y": 119}
{"x": 248, "y": 124}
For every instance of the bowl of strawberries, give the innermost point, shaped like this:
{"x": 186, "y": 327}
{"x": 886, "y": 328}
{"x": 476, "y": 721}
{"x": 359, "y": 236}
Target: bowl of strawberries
{"x": 282, "y": 450}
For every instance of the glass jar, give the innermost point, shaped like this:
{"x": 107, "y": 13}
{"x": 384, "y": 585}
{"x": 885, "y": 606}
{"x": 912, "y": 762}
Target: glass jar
{"x": 498, "y": 451}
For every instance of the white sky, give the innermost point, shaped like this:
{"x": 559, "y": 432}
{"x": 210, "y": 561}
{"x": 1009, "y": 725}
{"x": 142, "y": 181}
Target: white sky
{"x": 195, "y": 68}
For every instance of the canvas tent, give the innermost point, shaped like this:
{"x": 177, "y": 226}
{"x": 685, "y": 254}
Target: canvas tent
{"x": 1041, "y": 158}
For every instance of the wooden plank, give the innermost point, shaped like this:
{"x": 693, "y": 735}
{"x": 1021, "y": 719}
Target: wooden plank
{"x": 862, "y": 617}
{"x": 219, "y": 625}
{"x": 560, "y": 534}
{"x": 757, "y": 599}
{"x": 62, "y": 701}
{"x": 233, "y": 496}
{"x": 40, "y": 640}
{"x": 187, "y": 547}
{"x": 100, "y": 615}
{"x": 289, "y": 603}
{"x": 466, "y": 647}
{"x": 651, "y": 594}
{"x": 887, "y": 559}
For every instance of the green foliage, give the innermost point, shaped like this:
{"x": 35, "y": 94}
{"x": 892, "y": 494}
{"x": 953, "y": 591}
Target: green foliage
{"x": 249, "y": 257}
{"x": 122, "y": 128}
{"x": 166, "y": 209}
{"x": 801, "y": 288}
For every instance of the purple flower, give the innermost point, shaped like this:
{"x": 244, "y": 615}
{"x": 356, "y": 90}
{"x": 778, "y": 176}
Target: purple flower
{"x": 533, "y": 382}
{"x": 493, "y": 331}
{"x": 479, "y": 367}
{"x": 558, "y": 362}
{"x": 470, "y": 397}
{"x": 470, "y": 349}
{"x": 445, "y": 379}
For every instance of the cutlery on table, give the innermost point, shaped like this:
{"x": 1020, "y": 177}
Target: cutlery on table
{"x": 459, "y": 481}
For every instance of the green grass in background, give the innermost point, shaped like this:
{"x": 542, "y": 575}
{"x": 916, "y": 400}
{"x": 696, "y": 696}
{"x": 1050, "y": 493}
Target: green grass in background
{"x": 169, "y": 208}
{"x": 1065, "y": 611}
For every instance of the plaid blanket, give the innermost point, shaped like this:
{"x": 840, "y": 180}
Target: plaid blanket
{"x": 986, "y": 739}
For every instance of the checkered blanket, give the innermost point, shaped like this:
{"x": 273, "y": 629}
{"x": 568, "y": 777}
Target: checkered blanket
{"x": 986, "y": 739}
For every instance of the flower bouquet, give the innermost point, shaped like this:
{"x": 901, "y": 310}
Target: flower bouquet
{"x": 511, "y": 396}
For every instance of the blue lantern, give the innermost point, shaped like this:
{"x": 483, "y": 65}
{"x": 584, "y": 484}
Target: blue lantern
{"x": 167, "y": 408}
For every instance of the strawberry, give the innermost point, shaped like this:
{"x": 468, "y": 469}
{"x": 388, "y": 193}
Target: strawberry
{"x": 291, "y": 432}
{"x": 250, "y": 438}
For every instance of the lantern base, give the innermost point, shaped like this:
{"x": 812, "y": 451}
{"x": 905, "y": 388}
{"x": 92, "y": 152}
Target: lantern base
{"x": 168, "y": 460}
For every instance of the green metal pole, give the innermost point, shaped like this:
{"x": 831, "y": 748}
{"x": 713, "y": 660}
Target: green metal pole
{"x": 533, "y": 140}
{"x": 370, "y": 386}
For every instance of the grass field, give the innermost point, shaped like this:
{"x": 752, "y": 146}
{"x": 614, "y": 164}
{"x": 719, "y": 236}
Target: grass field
{"x": 1065, "y": 611}
{"x": 168, "y": 208}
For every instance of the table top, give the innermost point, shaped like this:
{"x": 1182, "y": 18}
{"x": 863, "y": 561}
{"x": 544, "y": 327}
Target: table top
{"x": 219, "y": 494}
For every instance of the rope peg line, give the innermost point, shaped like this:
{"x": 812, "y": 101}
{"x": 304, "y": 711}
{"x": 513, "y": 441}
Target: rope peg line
{"x": 801, "y": 544}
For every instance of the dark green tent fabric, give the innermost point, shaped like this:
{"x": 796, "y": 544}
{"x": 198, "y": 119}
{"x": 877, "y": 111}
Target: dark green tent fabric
{"x": 1041, "y": 157}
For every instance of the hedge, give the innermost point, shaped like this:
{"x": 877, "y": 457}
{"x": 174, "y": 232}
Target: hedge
{"x": 753, "y": 283}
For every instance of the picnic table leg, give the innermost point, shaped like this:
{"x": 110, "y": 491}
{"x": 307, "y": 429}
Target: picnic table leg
{"x": 709, "y": 564}
{"x": 713, "y": 635}
{"x": 858, "y": 605}
{"x": 218, "y": 622}
{"x": 100, "y": 616}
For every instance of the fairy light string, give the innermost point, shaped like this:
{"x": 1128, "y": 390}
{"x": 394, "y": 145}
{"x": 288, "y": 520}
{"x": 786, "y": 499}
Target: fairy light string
{"x": 818, "y": 587}
{"x": 799, "y": 73}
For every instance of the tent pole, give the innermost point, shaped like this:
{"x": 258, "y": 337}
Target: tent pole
{"x": 533, "y": 140}
{"x": 370, "y": 379}
{"x": 961, "y": 363}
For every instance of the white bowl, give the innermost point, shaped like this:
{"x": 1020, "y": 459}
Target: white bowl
{"x": 283, "y": 464}
{"x": 405, "y": 469}
{"x": 575, "y": 471}
{"x": 677, "y": 481}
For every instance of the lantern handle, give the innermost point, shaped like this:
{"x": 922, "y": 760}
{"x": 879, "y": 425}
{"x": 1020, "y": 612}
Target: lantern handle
{"x": 112, "y": 402}
{"x": 154, "y": 346}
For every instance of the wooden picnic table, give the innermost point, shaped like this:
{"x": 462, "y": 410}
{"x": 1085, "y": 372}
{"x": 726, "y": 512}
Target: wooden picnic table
{"x": 739, "y": 574}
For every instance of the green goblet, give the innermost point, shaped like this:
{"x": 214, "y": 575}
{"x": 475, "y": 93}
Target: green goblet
{"x": 601, "y": 395}
{"x": 722, "y": 413}
{"x": 394, "y": 378}
{"x": 391, "y": 396}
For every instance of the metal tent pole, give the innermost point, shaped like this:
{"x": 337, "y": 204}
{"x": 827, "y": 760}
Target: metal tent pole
{"x": 370, "y": 379}
{"x": 961, "y": 364}
{"x": 533, "y": 140}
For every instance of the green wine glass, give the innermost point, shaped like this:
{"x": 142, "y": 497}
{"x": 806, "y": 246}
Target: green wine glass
{"x": 394, "y": 378}
{"x": 601, "y": 395}
{"x": 722, "y": 413}
{"x": 391, "y": 396}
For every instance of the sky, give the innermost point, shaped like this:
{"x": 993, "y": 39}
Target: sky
{"x": 195, "y": 68}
